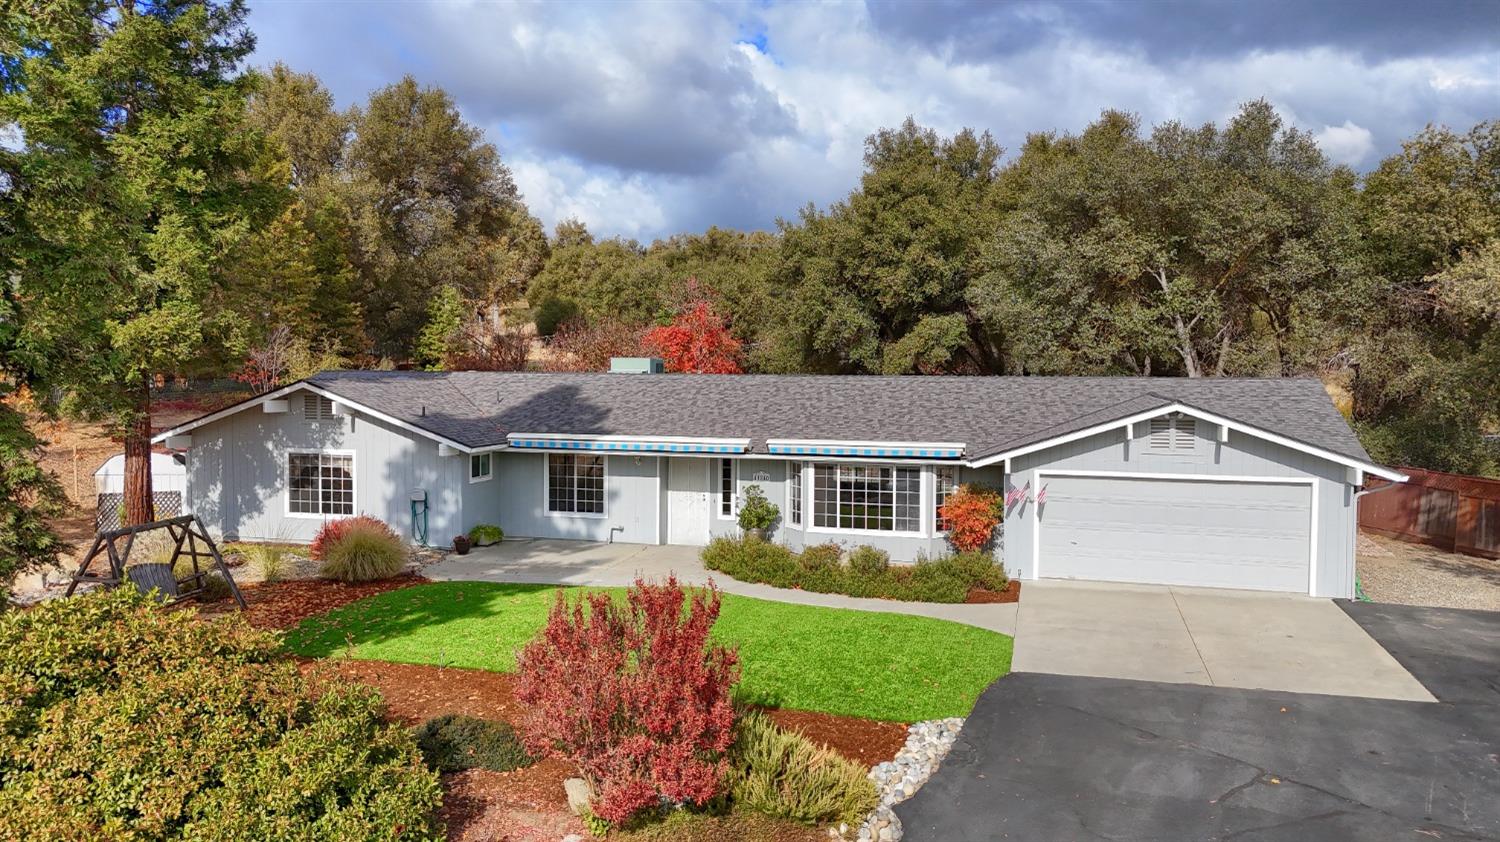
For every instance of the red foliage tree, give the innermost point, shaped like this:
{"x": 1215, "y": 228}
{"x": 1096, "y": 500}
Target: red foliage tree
{"x": 697, "y": 341}
{"x": 633, "y": 694}
{"x": 971, "y": 513}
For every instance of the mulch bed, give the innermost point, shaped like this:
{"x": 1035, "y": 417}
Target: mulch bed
{"x": 529, "y": 804}
{"x": 281, "y": 605}
{"x": 980, "y": 596}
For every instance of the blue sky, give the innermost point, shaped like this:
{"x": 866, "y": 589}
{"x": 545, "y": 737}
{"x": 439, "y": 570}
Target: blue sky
{"x": 647, "y": 119}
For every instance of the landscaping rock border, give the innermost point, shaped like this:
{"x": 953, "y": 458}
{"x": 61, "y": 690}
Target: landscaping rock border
{"x": 898, "y": 779}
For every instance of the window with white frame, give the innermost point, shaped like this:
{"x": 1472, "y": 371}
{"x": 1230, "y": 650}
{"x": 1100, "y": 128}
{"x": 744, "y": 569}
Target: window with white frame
{"x": 320, "y": 483}
{"x": 944, "y": 483}
{"x": 575, "y": 484}
{"x": 480, "y": 467}
{"x": 1172, "y": 433}
{"x": 726, "y": 488}
{"x": 794, "y": 503}
{"x": 867, "y": 498}
{"x": 317, "y": 408}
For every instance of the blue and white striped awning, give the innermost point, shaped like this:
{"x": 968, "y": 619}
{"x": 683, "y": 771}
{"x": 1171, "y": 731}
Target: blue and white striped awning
{"x": 627, "y": 444}
{"x": 880, "y": 450}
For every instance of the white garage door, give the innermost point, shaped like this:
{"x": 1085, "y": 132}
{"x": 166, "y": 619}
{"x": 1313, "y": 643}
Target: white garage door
{"x": 1177, "y": 532}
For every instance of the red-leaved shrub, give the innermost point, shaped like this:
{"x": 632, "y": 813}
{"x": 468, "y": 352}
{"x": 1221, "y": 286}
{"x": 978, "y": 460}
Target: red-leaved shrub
{"x": 972, "y": 513}
{"x": 334, "y": 530}
{"x": 633, "y": 694}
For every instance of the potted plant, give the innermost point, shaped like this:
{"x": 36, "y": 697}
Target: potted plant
{"x": 757, "y": 514}
{"x": 461, "y": 544}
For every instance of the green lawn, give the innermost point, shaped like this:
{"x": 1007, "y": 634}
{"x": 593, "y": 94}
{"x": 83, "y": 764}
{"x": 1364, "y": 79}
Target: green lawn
{"x": 854, "y": 663}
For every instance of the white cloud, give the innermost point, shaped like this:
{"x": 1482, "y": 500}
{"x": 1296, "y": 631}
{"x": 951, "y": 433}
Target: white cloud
{"x": 1346, "y": 144}
{"x": 646, "y": 119}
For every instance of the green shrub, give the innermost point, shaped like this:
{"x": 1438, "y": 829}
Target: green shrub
{"x": 485, "y": 534}
{"x": 822, "y": 557}
{"x": 452, "y": 742}
{"x": 126, "y": 721}
{"x": 867, "y": 561}
{"x": 363, "y": 553}
{"x": 869, "y": 572}
{"x": 756, "y": 512}
{"x": 552, "y": 313}
{"x": 784, "y": 774}
{"x": 214, "y": 586}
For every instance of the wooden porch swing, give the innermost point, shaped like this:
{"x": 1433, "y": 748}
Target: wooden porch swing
{"x": 188, "y": 538}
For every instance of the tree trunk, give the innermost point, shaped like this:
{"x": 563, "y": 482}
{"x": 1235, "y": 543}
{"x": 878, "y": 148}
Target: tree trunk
{"x": 139, "y": 501}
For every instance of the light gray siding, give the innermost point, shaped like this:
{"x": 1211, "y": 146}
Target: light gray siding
{"x": 237, "y": 473}
{"x": 1240, "y": 456}
{"x": 516, "y": 501}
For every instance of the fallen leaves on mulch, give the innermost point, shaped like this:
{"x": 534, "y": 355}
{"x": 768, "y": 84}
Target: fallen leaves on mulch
{"x": 282, "y": 605}
{"x": 980, "y": 596}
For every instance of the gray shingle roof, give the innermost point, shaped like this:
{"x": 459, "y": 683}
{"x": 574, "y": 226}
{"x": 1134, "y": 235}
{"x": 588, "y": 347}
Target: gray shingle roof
{"x": 989, "y": 414}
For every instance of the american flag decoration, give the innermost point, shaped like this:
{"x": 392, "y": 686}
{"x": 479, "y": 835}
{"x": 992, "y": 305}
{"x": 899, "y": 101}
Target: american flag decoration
{"x": 1016, "y": 495}
{"x": 1041, "y": 495}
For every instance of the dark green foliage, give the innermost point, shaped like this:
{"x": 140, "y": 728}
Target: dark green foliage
{"x": 756, "y": 512}
{"x": 784, "y": 774}
{"x": 553, "y": 313}
{"x": 817, "y": 569}
{"x": 453, "y": 742}
{"x": 126, "y": 721}
{"x": 29, "y": 498}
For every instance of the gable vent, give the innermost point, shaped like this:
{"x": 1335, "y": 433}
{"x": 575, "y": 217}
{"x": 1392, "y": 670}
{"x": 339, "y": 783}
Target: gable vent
{"x": 317, "y": 408}
{"x": 1171, "y": 433}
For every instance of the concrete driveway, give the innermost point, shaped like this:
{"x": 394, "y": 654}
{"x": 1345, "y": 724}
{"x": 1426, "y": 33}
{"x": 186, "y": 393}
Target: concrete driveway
{"x": 1046, "y": 757}
{"x": 1204, "y": 636}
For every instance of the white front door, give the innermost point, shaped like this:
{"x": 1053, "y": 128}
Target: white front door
{"x": 687, "y": 501}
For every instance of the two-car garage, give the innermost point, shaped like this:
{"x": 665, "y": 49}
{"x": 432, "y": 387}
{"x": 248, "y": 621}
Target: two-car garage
{"x": 1223, "y": 532}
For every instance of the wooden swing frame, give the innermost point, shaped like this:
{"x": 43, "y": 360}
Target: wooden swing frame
{"x": 187, "y": 531}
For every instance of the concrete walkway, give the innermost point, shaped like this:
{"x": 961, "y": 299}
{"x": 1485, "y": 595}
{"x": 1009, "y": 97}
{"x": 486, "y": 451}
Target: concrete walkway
{"x": 557, "y": 562}
{"x": 1244, "y": 639}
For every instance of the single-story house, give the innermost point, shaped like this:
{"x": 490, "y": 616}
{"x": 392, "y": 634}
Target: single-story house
{"x": 1240, "y": 483}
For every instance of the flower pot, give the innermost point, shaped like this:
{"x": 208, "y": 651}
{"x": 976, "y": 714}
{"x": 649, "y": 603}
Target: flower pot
{"x": 461, "y": 545}
{"x": 756, "y": 534}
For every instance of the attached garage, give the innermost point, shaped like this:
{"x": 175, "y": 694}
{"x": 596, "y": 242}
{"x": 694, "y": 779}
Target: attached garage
{"x": 1222, "y": 532}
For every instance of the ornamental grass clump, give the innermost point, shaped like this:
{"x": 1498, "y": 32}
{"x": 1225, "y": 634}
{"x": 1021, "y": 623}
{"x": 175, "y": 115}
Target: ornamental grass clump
{"x": 334, "y": 530}
{"x": 634, "y": 695}
{"x": 124, "y": 721}
{"x": 782, "y": 773}
{"x": 364, "y": 552}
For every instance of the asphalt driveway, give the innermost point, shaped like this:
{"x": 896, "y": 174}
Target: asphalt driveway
{"x": 1224, "y": 638}
{"x": 1046, "y": 757}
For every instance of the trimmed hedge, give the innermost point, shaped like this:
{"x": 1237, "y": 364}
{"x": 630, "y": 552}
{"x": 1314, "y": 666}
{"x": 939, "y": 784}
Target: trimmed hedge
{"x": 868, "y": 573}
{"x": 124, "y": 721}
{"x": 453, "y": 742}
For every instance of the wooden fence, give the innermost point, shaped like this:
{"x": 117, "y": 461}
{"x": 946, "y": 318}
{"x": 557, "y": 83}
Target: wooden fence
{"x": 1455, "y": 512}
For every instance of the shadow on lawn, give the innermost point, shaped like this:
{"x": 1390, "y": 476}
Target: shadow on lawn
{"x": 401, "y": 613}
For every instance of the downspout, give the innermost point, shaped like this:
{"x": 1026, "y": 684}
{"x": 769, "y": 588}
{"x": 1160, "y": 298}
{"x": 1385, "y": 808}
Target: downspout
{"x": 1359, "y": 591}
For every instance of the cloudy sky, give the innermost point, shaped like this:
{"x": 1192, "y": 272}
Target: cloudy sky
{"x": 646, "y": 119}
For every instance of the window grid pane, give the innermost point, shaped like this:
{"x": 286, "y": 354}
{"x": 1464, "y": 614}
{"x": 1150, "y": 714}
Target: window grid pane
{"x": 575, "y": 484}
{"x": 726, "y": 487}
{"x": 945, "y": 482}
{"x": 865, "y": 497}
{"x": 796, "y": 480}
{"x": 320, "y": 484}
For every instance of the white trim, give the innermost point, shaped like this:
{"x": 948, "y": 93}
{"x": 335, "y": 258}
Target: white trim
{"x": 623, "y": 438}
{"x": 317, "y": 390}
{"x": 1310, "y": 482}
{"x": 547, "y": 487}
{"x": 1369, "y": 467}
{"x": 661, "y": 499}
{"x": 489, "y": 473}
{"x": 798, "y": 469}
{"x": 286, "y": 478}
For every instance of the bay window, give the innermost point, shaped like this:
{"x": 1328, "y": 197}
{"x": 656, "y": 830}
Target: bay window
{"x": 867, "y": 498}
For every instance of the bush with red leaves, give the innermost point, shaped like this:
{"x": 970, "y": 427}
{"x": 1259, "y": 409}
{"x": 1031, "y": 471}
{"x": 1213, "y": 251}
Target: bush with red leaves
{"x": 696, "y": 342}
{"x": 971, "y": 514}
{"x": 334, "y": 530}
{"x": 633, "y": 694}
